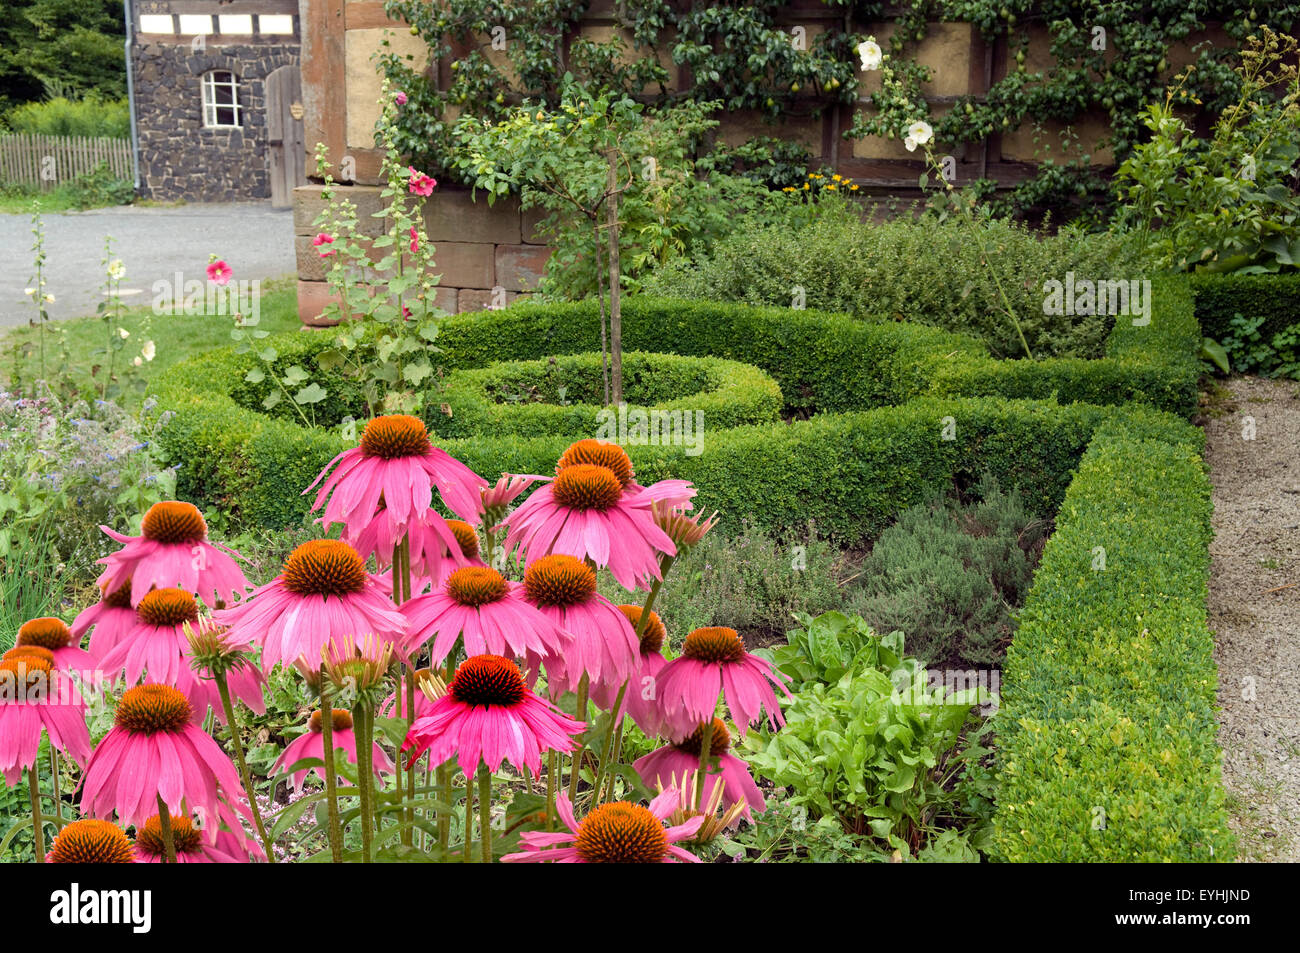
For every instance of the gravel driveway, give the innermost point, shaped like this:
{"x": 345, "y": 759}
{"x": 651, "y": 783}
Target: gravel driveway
{"x": 153, "y": 243}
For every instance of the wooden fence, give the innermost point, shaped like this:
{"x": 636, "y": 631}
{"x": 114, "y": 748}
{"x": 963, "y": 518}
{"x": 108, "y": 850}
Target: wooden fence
{"x": 47, "y": 161}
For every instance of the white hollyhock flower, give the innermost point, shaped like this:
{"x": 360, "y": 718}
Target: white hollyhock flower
{"x": 920, "y": 132}
{"x": 137, "y": 362}
{"x": 910, "y": 143}
{"x": 49, "y": 298}
{"x": 148, "y": 351}
{"x": 124, "y": 333}
{"x": 116, "y": 270}
{"x": 871, "y": 55}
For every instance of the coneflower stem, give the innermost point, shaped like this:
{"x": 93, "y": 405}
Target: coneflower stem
{"x": 485, "y": 811}
{"x": 223, "y": 689}
{"x": 364, "y": 778}
{"x": 552, "y": 769}
{"x": 54, "y": 776}
{"x": 613, "y": 759}
{"x": 165, "y": 827}
{"x": 331, "y": 782}
{"x": 615, "y": 718}
{"x": 408, "y": 815}
{"x": 38, "y": 822}
{"x": 580, "y": 712}
{"x": 702, "y": 775}
{"x": 469, "y": 817}
{"x": 445, "y": 792}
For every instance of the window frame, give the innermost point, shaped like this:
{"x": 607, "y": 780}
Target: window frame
{"x": 212, "y": 108}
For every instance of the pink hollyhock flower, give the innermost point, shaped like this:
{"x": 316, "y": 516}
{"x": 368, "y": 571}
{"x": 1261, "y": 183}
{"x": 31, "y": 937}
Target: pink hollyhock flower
{"x": 399, "y": 97}
{"x": 591, "y": 511}
{"x": 323, "y": 593}
{"x": 597, "y": 641}
{"x": 488, "y": 613}
{"x": 489, "y": 715}
{"x": 54, "y": 635}
{"x": 641, "y": 700}
{"x": 415, "y": 240}
{"x": 420, "y": 184}
{"x": 614, "y": 833}
{"x": 438, "y": 546}
{"x": 219, "y": 272}
{"x": 310, "y": 744}
{"x": 154, "y": 751}
{"x": 108, "y": 620}
{"x": 36, "y": 695}
{"x": 91, "y": 841}
{"x": 395, "y": 462}
{"x": 667, "y": 764}
{"x": 173, "y": 550}
{"x": 323, "y": 239}
{"x": 714, "y": 660}
{"x": 191, "y": 848}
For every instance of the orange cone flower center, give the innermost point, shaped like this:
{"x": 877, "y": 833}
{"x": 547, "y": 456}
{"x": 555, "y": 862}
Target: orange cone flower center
{"x": 559, "y": 580}
{"x": 396, "y": 435}
{"x": 714, "y": 644}
{"x": 91, "y": 841}
{"x": 466, "y": 536}
{"x": 48, "y": 633}
{"x": 172, "y": 521}
{"x": 341, "y": 720}
{"x": 602, "y": 454}
{"x": 652, "y": 639}
{"x": 30, "y": 651}
{"x": 621, "y": 833}
{"x": 719, "y": 741}
{"x": 476, "y": 585}
{"x": 167, "y": 607}
{"x": 24, "y": 678}
{"x": 185, "y": 837}
{"x": 147, "y": 709}
{"x": 585, "y": 486}
{"x": 488, "y": 680}
{"x": 324, "y": 567}
{"x": 119, "y": 598}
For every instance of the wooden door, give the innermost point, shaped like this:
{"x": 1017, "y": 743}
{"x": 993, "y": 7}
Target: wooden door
{"x": 286, "y": 152}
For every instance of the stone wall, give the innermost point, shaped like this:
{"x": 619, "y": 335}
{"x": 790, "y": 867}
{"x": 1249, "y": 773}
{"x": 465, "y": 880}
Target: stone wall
{"x": 488, "y": 256}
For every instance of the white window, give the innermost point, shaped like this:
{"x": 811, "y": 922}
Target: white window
{"x": 196, "y": 24}
{"x": 235, "y": 23}
{"x": 156, "y": 23}
{"x": 275, "y": 23}
{"x": 220, "y": 99}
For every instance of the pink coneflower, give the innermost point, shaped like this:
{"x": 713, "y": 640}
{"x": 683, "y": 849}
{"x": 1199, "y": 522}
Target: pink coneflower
{"x": 173, "y": 550}
{"x": 420, "y": 184}
{"x": 590, "y": 511}
{"x": 614, "y": 833}
{"x": 489, "y": 613}
{"x": 191, "y": 848}
{"x": 428, "y": 686}
{"x": 597, "y": 638}
{"x": 438, "y": 546}
{"x": 109, "y": 619}
{"x": 397, "y": 462}
{"x": 489, "y": 715}
{"x": 665, "y": 765}
{"x": 641, "y": 700}
{"x": 219, "y": 272}
{"x": 497, "y": 498}
{"x": 399, "y": 97}
{"x": 714, "y": 660}
{"x": 91, "y": 841}
{"x": 323, "y": 239}
{"x": 36, "y": 695}
{"x": 324, "y": 592}
{"x": 310, "y": 744}
{"x": 154, "y": 751}
{"x": 54, "y": 635}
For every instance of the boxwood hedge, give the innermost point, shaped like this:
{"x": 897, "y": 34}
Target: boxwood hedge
{"x": 1276, "y": 298}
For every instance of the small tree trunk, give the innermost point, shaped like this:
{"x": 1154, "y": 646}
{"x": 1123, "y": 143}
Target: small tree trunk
{"x": 600, "y": 302}
{"x": 615, "y": 309}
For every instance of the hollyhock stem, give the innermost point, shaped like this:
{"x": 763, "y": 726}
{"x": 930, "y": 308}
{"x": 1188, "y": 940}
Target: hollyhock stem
{"x": 38, "y": 822}
{"x": 469, "y": 817}
{"x": 361, "y": 720}
{"x": 223, "y": 689}
{"x": 485, "y": 811}
{"x": 165, "y": 827}
{"x": 331, "y": 782}
{"x": 702, "y": 776}
{"x": 580, "y": 712}
{"x": 615, "y": 718}
{"x": 552, "y": 769}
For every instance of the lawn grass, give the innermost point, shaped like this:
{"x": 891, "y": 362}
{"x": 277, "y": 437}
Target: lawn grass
{"x": 176, "y": 337}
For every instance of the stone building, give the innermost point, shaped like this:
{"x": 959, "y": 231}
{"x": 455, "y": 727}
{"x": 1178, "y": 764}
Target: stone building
{"x": 216, "y": 99}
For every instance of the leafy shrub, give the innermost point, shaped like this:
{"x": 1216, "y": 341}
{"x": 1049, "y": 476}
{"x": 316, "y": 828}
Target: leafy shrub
{"x": 1255, "y": 318}
{"x": 100, "y": 188}
{"x": 829, "y": 646}
{"x": 879, "y": 752}
{"x": 61, "y": 116}
{"x": 924, "y": 271}
{"x": 952, "y": 576}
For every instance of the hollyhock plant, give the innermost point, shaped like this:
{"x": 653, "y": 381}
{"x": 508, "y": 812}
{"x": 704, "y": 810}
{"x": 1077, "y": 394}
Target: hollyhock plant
{"x": 154, "y": 753}
{"x": 91, "y": 841}
{"x": 490, "y": 614}
{"x": 219, "y": 272}
{"x": 34, "y": 696}
{"x": 108, "y": 620}
{"x": 598, "y": 639}
{"x": 173, "y": 550}
{"x": 188, "y": 840}
{"x": 714, "y": 660}
{"x": 667, "y": 764}
{"x": 420, "y": 184}
{"x": 399, "y": 97}
{"x": 54, "y": 635}
{"x": 326, "y": 240}
{"x": 310, "y": 744}
{"x": 489, "y": 716}
{"x": 415, "y": 240}
{"x": 323, "y": 592}
{"x": 614, "y": 833}
{"x": 396, "y": 462}
{"x": 641, "y": 701}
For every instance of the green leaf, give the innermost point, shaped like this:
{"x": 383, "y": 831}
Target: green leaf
{"x": 255, "y": 376}
{"x": 311, "y": 394}
{"x": 271, "y": 399}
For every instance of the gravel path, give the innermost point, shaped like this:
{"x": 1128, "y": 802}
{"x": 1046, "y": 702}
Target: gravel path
{"x": 153, "y": 243}
{"x": 1255, "y": 608}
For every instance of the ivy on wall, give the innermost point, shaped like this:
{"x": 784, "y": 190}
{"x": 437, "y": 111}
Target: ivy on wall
{"x": 1110, "y": 58}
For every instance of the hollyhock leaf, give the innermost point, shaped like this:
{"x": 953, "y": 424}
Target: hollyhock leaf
{"x": 311, "y": 394}
{"x": 255, "y": 376}
{"x": 270, "y": 400}
{"x": 295, "y": 375}
{"x": 268, "y": 354}
{"x": 415, "y": 373}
